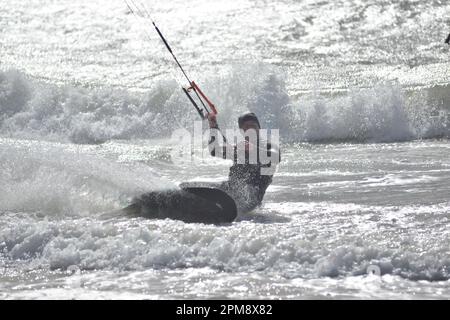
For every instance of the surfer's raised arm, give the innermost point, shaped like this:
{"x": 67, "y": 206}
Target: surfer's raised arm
{"x": 213, "y": 143}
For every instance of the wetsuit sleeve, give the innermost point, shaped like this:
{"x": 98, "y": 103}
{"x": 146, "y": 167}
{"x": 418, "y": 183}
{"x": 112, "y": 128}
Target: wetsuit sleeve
{"x": 213, "y": 146}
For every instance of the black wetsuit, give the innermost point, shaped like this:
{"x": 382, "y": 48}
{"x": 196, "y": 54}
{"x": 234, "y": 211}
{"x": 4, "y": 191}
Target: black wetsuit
{"x": 246, "y": 183}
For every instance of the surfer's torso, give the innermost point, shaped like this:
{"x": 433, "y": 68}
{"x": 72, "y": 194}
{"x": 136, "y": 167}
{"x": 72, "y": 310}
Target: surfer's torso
{"x": 247, "y": 183}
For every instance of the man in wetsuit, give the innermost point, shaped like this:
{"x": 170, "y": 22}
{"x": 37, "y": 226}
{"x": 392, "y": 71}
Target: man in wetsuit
{"x": 247, "y": 180}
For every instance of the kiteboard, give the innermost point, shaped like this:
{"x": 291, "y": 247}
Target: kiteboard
{"x": 191, "y": 203}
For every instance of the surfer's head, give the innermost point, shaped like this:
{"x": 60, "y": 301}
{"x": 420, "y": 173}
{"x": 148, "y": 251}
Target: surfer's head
{"x": 249, "y": 121}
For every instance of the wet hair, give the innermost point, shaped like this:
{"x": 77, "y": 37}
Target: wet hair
{"x": 247, "y": 117}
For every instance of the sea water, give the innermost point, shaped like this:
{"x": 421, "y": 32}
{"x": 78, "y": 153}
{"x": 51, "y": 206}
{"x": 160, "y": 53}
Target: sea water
{"x": 359, "y": 206}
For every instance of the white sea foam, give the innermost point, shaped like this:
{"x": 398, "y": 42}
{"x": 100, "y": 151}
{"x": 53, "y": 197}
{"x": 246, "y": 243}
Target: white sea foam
{"x": 302, "y": 251}
{"x": 76, "y": 77}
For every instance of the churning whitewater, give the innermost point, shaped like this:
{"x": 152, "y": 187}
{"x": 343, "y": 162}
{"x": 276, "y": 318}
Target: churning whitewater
{"x": 359, "y": 206}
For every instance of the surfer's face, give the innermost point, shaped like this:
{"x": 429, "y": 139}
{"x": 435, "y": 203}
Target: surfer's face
{"x": 250, "y": 124}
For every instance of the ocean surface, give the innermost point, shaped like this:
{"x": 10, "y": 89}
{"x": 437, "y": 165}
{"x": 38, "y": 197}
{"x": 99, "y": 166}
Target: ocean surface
{"x": 359, "y": 207}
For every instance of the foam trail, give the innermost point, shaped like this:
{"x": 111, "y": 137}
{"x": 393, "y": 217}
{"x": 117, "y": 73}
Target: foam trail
{"x": 54, "y": 180}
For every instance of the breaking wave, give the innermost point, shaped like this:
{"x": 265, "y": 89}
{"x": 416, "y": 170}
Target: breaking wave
{"x": 387, "y": 112}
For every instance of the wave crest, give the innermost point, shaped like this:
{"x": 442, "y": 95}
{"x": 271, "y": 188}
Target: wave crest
{"x": 384, "y": 113}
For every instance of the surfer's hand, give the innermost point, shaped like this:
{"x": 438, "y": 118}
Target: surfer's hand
{"x": 212, "y": 120}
